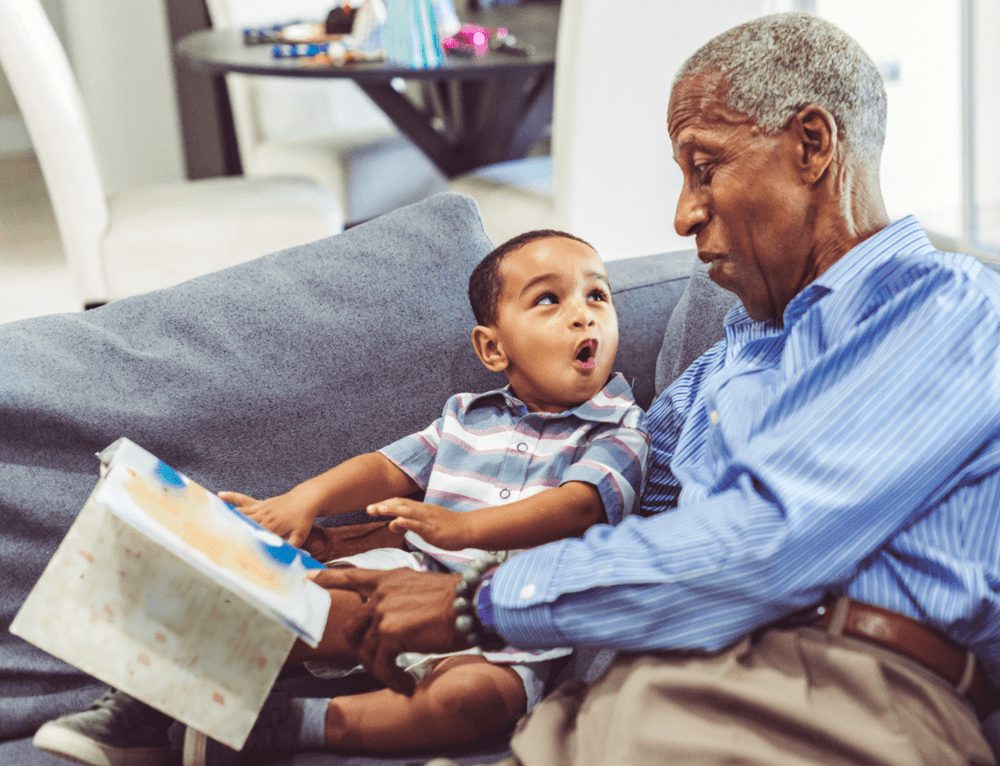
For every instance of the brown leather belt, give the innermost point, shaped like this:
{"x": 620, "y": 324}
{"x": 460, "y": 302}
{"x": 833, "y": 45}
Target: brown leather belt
{"x": 908, "y": 637}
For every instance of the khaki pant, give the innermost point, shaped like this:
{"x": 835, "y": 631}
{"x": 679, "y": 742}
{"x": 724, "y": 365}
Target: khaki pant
{"x": 789, "y": 697}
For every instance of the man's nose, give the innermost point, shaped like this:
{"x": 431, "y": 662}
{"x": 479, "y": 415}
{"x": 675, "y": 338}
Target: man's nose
{"x": 691, "y": 213}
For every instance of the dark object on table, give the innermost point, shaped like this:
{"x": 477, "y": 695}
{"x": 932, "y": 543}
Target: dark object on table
{"x": 340, "y": 20}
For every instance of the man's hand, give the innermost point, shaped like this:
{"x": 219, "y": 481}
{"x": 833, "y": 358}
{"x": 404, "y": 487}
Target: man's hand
{"x": 438, "y": 526}
{"x": 407, "y": 611}
{"x": 282, "y": 514}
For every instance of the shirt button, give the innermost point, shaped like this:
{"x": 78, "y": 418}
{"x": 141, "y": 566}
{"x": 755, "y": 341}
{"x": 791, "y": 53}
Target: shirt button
{"x": 714, "y": 417}
{"x": 527, "y": 592}
{"x": 522, "y": 447}
{"x": 504, "y": 493}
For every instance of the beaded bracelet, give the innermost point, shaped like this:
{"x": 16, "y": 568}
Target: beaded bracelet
{"x": 467, "y": 622}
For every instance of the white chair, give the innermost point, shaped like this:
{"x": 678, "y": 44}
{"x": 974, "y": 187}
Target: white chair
{"x": 612, "y": 178}
{"x": 142, "y": 239}
{"x": 328, "y": 130}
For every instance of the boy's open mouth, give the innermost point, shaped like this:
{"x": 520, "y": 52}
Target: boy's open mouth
{"x": 587, "y": 355}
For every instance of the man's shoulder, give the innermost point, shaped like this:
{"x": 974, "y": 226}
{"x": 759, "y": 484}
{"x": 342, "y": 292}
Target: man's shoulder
{"x": 930, "y": 272}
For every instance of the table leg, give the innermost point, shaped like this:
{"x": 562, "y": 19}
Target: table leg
{"x": 467, "y": 124}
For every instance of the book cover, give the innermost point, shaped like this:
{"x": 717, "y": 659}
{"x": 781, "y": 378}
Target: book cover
{"x": 162, "y": 590}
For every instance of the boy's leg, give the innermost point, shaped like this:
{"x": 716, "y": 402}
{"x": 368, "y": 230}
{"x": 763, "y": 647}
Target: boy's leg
{"x": 118, "y": 730}
{"x": 463, "y": 699}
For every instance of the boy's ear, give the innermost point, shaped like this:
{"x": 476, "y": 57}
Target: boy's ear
{"x": 488, "y": 349}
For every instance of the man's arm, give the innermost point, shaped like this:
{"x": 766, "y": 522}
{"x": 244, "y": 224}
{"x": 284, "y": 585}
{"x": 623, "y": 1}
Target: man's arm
{"x": 867, "y": 437}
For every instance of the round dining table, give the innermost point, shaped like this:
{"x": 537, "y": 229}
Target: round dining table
{"x": 471, "y": 111}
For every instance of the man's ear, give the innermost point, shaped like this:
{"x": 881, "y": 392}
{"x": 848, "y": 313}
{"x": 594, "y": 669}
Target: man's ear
{"x": 816, "y": 134}
{"x": 487, "y": 344}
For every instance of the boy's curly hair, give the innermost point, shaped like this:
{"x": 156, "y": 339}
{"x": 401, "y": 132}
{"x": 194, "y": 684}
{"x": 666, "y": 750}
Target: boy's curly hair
{"x": 485, "y": 284}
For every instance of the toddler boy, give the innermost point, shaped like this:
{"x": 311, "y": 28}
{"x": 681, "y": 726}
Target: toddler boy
{"x": 560, "y": 448}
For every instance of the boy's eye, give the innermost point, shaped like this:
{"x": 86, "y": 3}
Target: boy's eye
{"x": 547, "y": 300}
{"x": 598, "y": 295}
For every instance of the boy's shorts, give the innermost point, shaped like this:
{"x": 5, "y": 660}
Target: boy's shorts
{"x": 533, "y": 674}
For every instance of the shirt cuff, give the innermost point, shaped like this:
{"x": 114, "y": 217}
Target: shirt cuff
{"x": 522, "y": 615}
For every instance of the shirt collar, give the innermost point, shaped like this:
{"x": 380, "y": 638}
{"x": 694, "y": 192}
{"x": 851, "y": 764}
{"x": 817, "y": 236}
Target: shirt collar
{"x": 606, "y": 406}
{"x": 905, "y": 234}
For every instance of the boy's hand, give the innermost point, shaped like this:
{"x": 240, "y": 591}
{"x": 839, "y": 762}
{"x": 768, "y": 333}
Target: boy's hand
{"x": 280, "y": 514}
{"x": 438, "y": 526}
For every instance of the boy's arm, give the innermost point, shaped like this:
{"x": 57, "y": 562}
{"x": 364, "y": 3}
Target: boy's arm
{"x": 354, "y": 484}
{"x": 603, "y": 485}
{"x": 565, "y": 511}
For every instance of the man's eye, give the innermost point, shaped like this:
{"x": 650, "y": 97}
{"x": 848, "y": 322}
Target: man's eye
{"x": 547, "y": 300}
{"x": 703, "y": 172}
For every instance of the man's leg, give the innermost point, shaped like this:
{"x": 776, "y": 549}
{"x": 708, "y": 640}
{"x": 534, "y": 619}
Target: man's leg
{"x": 792, "y": 698}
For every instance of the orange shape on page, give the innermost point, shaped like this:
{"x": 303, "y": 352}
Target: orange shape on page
{"x": 216, "y": 697}
{"x": 183, "y": 512}
{"x": 144, "y": 659}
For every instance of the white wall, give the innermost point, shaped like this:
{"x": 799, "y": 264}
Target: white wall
{"x": 987, "y": 77}
{"x": 120, "y": 53}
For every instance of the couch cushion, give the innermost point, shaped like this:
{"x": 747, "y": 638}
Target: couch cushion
{"x": 645, "y": 291}
{"x": 252, "y": 379}
{"x": 694, "y": 326}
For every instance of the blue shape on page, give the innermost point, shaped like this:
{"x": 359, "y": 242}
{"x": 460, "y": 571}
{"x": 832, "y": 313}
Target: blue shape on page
{"x": 285, "y": 554}
{"x": 168, "y": 475}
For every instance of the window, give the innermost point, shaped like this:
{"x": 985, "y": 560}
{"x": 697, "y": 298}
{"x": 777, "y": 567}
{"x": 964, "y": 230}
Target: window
{"x": 941, "y": 65}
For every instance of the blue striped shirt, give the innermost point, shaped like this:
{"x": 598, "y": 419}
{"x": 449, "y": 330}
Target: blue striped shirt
{"x": 487, "y": 450}
{"x": 850, "y": 446}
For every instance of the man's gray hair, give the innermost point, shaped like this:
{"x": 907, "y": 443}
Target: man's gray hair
{"x": 777, "y": 64}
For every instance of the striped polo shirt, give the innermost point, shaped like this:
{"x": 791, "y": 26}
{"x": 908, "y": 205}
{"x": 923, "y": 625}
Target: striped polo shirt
{"x": 487, "y": 450}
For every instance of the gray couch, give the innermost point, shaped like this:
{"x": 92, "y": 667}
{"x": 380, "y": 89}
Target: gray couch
{"x": 262, "y": 375}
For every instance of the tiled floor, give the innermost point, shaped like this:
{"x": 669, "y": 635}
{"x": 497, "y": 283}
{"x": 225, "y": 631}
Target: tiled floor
{"x": 34, "y": 278}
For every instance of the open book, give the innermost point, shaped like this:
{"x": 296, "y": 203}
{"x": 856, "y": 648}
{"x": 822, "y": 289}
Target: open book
{"x": 162, "y": 590}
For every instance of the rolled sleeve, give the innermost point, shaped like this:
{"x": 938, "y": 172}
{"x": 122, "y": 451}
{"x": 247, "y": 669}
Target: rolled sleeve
{"x": 415, "y": 454}
{"x": 614, "y": 463}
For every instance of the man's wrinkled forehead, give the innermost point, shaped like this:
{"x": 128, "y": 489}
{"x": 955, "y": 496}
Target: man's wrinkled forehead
{"x": 701, "y": 99}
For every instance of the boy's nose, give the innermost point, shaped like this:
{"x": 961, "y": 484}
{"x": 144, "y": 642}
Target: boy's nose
{"x": 582, "y": 315}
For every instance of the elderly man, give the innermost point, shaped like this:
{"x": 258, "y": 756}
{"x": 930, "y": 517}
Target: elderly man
{"x": 839, "y": 448}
